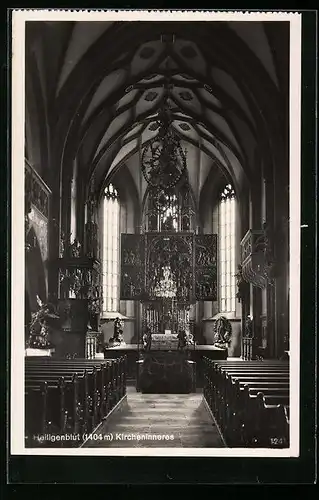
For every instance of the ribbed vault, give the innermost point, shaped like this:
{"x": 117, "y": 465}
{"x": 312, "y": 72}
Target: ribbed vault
{"x": 106, "y": 82}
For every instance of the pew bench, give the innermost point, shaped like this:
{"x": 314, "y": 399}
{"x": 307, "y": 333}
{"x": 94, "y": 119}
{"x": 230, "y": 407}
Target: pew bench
{"x": 68, "y": 402}
{"x": 250, "y": 401}
{"x": 70, "y": 396}
{"x": 116, "y": 368}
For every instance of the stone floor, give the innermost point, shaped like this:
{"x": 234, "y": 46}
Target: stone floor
{"x": 180, "y": 420}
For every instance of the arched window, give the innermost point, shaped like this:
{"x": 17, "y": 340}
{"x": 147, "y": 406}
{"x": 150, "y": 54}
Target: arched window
{"x": 226, "y": 231}
{"x": 111, "y": 249}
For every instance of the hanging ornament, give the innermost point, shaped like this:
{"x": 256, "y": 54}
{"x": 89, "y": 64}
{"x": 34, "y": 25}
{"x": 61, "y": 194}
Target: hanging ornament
{"x": 163, "y": 159}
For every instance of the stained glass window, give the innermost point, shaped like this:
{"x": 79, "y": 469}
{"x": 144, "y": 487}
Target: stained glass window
{"x": 227, "y": 270}
{"x": 111, "y": 250}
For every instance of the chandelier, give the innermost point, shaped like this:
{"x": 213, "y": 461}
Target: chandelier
{"x": 163, "y": 159}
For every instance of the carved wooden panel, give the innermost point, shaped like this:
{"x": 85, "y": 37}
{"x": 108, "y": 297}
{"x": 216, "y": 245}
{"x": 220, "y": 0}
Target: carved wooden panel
{"x": 132, "y": 266}
{"x": 170, "y": 266}
{"x": 206, "y": 267}
{"x": 40, "y": 225}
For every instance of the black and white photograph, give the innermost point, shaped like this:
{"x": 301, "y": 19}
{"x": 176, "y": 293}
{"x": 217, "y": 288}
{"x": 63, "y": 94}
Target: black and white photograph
{"x": 156, "y": 233}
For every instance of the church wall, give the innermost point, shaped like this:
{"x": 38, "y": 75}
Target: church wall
{"x": 235, "y": 346}
{"x": 37, "y": 208}
{"x": 37, "y": 131}
{"x": 129, "y": 217}
{"x": 73, "y": 229}
{"x": 209, "y": 218}
{"x": 35, "y": 275}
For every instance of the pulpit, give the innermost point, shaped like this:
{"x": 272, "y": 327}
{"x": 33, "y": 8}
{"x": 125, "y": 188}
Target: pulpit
{"x": 78, "y": 304}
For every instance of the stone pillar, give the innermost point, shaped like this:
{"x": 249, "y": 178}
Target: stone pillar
{"x": 269, "y": 203}
{"x": 244, "y": 211}
{"x": 255, "y": 292}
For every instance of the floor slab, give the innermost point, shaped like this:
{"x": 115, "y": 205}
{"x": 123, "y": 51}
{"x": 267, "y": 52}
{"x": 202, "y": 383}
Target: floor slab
{"x": 157, "y": 421}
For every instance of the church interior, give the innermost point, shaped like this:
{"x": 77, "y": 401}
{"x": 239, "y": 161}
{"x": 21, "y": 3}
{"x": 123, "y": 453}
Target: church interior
{"x": 157, "y": 234}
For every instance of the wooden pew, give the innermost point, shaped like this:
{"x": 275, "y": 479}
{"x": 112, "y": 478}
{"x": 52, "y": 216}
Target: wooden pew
{"x": 45, "y": 410}
{"x": 78, "y": 393}
{"x": 66, "y": 401}
{"x": 88, "y": 403}
{"x": 116, "y": 385}
{"x": 36, "y": 421}
{"x": 247, "y": 399}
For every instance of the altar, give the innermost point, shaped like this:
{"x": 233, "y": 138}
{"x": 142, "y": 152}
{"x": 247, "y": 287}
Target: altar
{"x": 135, "y": 356}
{"x": 167, "y": 341}
{"x": 164, "y": 371}
{"x": 167, "y": 272}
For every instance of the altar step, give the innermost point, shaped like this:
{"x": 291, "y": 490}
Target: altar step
{"x": 159, "y": 420}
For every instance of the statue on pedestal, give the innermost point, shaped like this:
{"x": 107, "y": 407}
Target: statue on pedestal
{"x": 91, "y": 230}
{"x": 147, "y": 339}
{"x": 222, "y": 332}
{"x": 117, "y": 338}
{"x": 241, "y": 284}
{"x": 189, "y": 338}
{"x": 91, "y": 227}
{"x": 42, "y": 324}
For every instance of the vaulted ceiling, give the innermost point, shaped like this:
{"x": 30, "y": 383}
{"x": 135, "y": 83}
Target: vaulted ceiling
{"x": 102, "y": 84}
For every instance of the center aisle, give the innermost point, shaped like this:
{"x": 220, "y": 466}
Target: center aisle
{"x": 158, "y": 420}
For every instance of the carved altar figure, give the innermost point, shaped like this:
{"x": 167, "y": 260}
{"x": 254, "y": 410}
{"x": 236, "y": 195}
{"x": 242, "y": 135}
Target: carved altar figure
{"x": 182, "y": 339}
{"x": 241, "y": 284}
{"x": 166, "y": 286}
{"x": 118, "y": 330}
{"x": 75, "y": 248}
{"x": 264, "y": 243}
{"x": 91, "y": 239}
{"x": 62, "y": 245}
{"x": 189, "y": 338}
{"x": 147, "y": 339}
